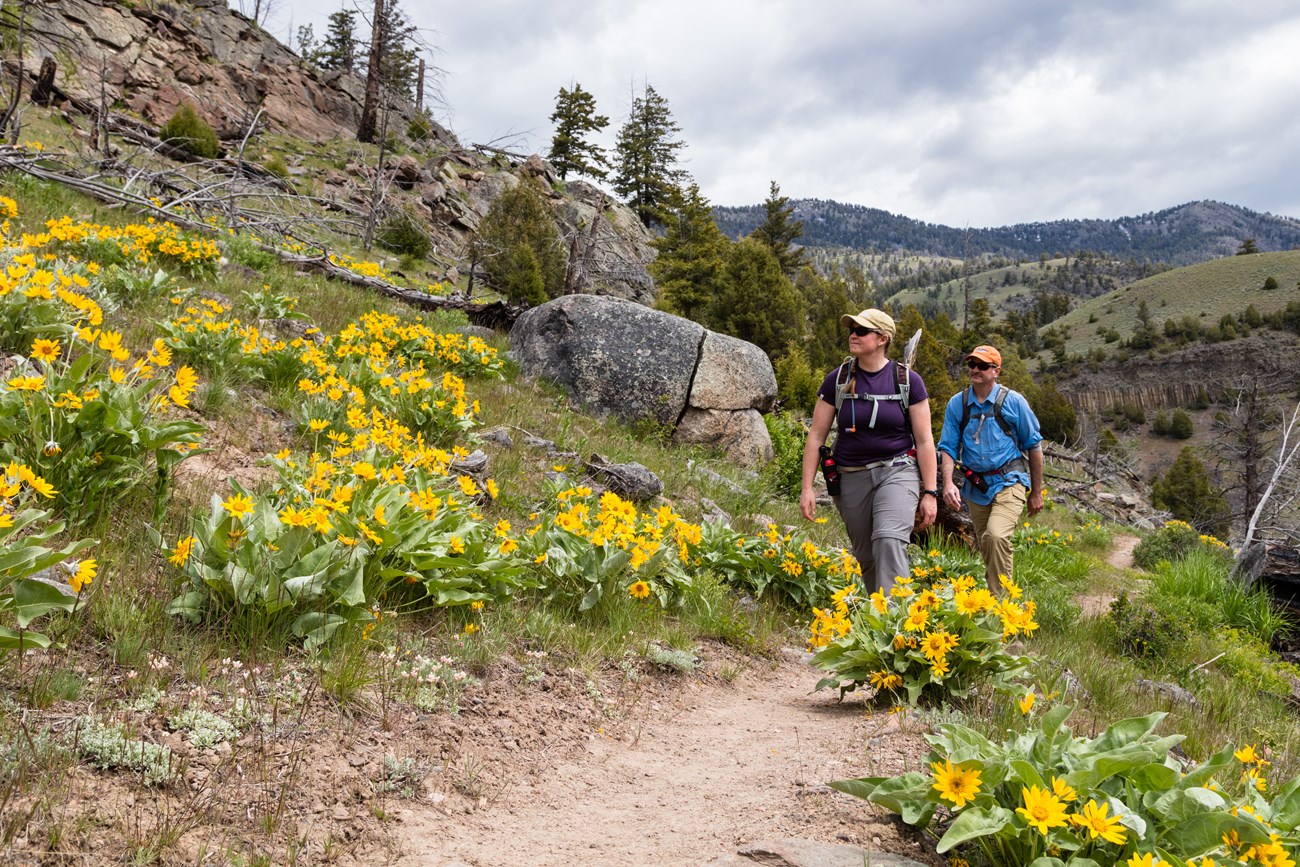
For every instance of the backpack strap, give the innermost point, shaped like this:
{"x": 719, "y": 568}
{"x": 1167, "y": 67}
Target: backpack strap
{"x": 846, "y": 374}
{"x": 1003, "y": 391}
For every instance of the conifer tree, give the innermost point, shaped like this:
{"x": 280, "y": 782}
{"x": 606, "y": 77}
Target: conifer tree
{"x": 826, "y": 299}
{"x": 1188, "y": 493}
{"x": 756, "y": 302}
{"x": 646, "y": 150}
{"x": 780, "y": 230}
{"x": 574, "y": 118}
{"x": 399, "y": 59}
{"x": 391, "y": 62}
{"x": 979, "y": 328}
{"x": 339, "y": 48}
{"x": 368, "y": 126}
{"x": 689, "y": 269}
{"x": 930, "y": 363}
{"x": 519, "y": 247}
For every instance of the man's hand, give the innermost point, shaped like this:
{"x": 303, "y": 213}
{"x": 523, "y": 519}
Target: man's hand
{"x": 1035, "y": 502}
{"x": 952, "y": 495}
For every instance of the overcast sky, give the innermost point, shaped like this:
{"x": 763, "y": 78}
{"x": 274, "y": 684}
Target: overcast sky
{"x": 961, "y": 112}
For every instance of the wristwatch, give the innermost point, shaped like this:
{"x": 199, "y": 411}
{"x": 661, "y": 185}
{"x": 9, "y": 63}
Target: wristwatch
{"x": 932, "y": 492}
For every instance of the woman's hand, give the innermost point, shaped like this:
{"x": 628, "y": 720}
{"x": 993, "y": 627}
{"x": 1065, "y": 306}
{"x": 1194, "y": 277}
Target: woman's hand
{"x": 808, "y": 503}
{"x": 929, "y": 510}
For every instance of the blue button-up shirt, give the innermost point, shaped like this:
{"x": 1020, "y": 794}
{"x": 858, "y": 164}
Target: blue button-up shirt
{"x": 994, "y": 448}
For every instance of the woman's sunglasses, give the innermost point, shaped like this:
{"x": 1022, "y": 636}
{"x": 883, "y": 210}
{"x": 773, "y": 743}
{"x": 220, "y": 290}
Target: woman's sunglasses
{"x": 979, "y": 365}
{"x": 862, "y": 331}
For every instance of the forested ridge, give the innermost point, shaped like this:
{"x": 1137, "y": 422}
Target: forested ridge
{"x": 1181, "y": 235}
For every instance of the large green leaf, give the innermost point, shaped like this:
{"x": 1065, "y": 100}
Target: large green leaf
{"x": 11, "y": 640}
{"x": 863, "y": 787}
{"x": 316, "y": 627}
{"x": 1127, "y": 731}
{"x": 1200, "y": 834}
{"x": 32, "y": 598}
{"x": 188, "y": 605}
{"x": 974, "y": 822}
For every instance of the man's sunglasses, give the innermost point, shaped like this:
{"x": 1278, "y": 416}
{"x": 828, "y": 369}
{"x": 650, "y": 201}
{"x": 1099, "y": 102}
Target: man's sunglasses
{"x": 862, "y": 330}
{"x": 980, "y": 365}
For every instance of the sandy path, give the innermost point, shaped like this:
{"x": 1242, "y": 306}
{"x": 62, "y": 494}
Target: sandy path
{"x": 689, "y": 780}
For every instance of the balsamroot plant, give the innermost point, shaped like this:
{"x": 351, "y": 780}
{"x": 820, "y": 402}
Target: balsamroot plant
{"x": 1047, "y": 798}
{"x": 931, "y": 636}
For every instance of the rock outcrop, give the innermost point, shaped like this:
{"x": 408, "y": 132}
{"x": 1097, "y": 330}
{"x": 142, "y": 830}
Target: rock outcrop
{"x": 147, "y": 59}
{"x": 619, "y": 358}
{"x": 153, "y": 57}
{"x": 1175, "y": 379}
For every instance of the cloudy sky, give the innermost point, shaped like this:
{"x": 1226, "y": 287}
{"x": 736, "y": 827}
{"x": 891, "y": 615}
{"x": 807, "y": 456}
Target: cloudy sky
{"x": 961, "y": 112}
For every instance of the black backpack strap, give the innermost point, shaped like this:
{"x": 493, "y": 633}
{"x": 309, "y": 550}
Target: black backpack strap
{"x": 845, "y": 375}
{"x": 966, "y": 395}
{"x": 1002, "y": 420}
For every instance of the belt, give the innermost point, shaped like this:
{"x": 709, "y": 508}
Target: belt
{"x": 898, "y": 461}
{"x": 1015, "y": 465}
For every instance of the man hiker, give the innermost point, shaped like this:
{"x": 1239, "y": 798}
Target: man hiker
{"x": 992, "y": 436}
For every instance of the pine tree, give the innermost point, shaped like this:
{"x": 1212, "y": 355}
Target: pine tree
{"x": 756, "y": 302}
{"x": 391, "y": 62}
{"x": 400, "y": 59}
{"x": 979, "y": 329}
{"x": 780, "y": 230}
{"x": 368, "y": 126}
{"x": 519, "y": 247}
{"x": 339, "y": 48}
{"x": 826, "y": 299}
{"x": 1187, "y": 492}
{"x": 574, "y": 118}
{"x": 930, "y": 362}
{"x": 689, "y": 269}
{"x": 646, "y": 150}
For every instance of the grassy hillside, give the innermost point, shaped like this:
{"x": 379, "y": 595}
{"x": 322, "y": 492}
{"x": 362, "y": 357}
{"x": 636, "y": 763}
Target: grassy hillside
{"x": 1207, "y": 292}
{"x": 272, "y": 575}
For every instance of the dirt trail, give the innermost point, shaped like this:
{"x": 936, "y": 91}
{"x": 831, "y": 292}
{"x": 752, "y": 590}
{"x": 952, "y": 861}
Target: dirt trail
{"x": 1121, "y": 551}
{"x": 689, "y": 779}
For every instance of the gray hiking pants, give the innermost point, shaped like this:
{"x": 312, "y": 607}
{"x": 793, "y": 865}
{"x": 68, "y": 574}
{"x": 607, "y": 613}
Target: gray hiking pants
{"x": 878, "y": 507}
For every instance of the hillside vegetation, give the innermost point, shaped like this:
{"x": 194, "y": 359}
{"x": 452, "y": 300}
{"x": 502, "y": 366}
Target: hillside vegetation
{"x": 292, "y": 558}
{"x": 323, "y": 573}
{"x": 1206, "y": 292}
{"x": 1181, "y": 235}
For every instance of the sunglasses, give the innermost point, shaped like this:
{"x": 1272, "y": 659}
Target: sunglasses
{"x": 980, "y": 365}
{"x": 861, "y": 330}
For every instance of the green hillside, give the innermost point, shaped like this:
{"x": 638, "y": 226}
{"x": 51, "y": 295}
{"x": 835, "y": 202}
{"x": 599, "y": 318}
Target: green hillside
{"x": 998, "y": 286}
{"x": 1207, "y": 292}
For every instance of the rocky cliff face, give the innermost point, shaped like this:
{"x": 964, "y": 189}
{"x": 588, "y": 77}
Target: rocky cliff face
{"x": 148, "y": 58}
{"x": 1174, "y": 379}
{"x": 152, "y": 57}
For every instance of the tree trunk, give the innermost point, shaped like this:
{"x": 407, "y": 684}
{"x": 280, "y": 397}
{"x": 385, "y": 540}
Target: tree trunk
{"x": 419, "y": 88}
{"x": 370, "y": 108}
{"x": 44, "y": 91}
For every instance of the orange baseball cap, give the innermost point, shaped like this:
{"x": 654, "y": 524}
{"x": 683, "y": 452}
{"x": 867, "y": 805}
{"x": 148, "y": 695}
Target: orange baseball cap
{"x": 987, "y": 354}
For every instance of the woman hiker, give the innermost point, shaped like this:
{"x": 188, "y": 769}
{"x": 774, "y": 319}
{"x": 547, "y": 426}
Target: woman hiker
{"x": 884, "y": 452}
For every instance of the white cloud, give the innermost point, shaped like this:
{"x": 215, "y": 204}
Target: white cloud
{"x": 980, "y": 112}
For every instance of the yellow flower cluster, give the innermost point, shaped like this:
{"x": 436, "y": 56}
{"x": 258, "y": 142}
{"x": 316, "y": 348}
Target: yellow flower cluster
{"x": 17, "y": 477}
{"x": 830, "y": 624}
{"x": 139, "y": 242}
{"x": 618, "y": 524}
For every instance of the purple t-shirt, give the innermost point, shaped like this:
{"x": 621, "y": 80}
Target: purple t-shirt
{"x": 858, "y": 444}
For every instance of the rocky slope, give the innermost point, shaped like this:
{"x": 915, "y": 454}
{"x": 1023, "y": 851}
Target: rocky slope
{"x": 145, "y": 60}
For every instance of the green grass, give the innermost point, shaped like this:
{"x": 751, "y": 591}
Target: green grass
{"x": 125, "y": 628}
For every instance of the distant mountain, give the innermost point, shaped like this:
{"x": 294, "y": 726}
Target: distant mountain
{"x": 1182, "y": 235}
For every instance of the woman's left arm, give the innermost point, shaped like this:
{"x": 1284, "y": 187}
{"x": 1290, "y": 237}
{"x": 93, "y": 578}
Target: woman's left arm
{"x": 926, "y": 460}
